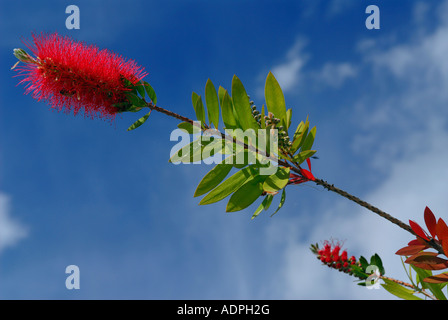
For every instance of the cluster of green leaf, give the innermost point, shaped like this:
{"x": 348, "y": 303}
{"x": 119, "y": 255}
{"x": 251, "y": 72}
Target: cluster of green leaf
{"x": 368, "y": 271}
{"x": 248, "y": 180}
{"x": 136, "y": 100}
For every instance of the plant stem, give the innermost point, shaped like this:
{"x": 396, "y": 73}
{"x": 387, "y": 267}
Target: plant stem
{"x": 296, "y": 169}
{"x": 364, "y": 204}
{"x": 405, "y": 284}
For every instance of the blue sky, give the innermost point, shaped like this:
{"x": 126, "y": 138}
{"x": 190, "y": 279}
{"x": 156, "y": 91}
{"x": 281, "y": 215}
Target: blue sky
{"x": 84, "y": 192}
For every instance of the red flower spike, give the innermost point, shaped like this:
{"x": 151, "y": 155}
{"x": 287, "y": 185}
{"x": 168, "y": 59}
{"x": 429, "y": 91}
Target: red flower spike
{"x": 430, "y": 221}
{"x": 330, "y": 256}
{"x": 73, "y": 77}
{"x": 418, "y": 230}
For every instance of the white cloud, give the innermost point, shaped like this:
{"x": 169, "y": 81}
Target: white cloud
{"x": 403, "y": 130}
{"x": 10, "y": 231}
{"x": 288, "y": 73}
{"x": 335, "y": 74}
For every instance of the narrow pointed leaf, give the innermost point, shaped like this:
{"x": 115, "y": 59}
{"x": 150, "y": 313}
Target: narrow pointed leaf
{"x": 275, "y": 100}
{"x": 228, "y": 186}
{"x": 277, "y": 181}
{"x": 417, "y": 229}
{"x": 428, "y": 261}
{"x": 213, "y": 178}
{"x": 440, "y": 278}
{"x": 430, "y": 221}
{"x": 212, "y": 102}
{"x": 186, "y": 153}
{"x": 245, "y": 195}
{"x": 242, "y": 106}
{"x": 309, "y": 140}
{"x": 410, "y": 250}
{"x": 189, "y": 127}
{"x": 434, "y": 288}
{"x": 139, "y": 122}
{"x": 282, "y": 201}
{"x": 264, "y": 205}
{"x": 300, "y": 135}
{"x": 399, "y": 291}
{"x": 198, "y": 107}
{"x": 140, "y": 89}
{"x": 135, "y": 100}
{"x": 442, "y": 231}
{"x": 221, "y": 92}
{"x": 151, "y": 93}
{"x": 288, "y": 118}
{"x": 228, "y": 116}
{"x": 304, "y": 155}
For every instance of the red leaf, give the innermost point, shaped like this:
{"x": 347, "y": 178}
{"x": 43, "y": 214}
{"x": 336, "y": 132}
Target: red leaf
{"x": 418, "y": 241}
{"x": 442, "y": 230}
{"x": 307, "y": 174}
{"x": 418, "y": 230}
{"x": 440, "y": 278}
{"x": 308, "y": 161}
{"x": 430, "y": 221}
{"x": 430, "y": 266}
{"x": 442, "y": 233}
{"x": 410, "y": 250}
{"x": 428, "y": 261}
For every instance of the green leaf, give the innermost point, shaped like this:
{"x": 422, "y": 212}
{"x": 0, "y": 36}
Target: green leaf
{"x": 262, "y": 119}
{"x": 364, "y": 263}
{"x": 228, "y": 115}
{"x": 221, "y": 92}
{"x": 302, "y": 156}
{"x": 300, "y": 135}
{"x": 359, "y": 272}
{"x": 151, "y": 93}
{"x": 376, "y": 261}
{"x": 200, "y": 111}
{"x": 275, "y": 100}
{"x": 242, "y": 106}
{"x": 189, "y": 127}
{"x": 399, "y": 291}
{"x": 139, "y": 122}
{"x": 245, "y": 195}
{"x": 277, "y": 181}
{"x": 212, "y": 102}
{"x": 228, "y": 186}
{"x": 213, "y": 178}
{"x": 282, "y": 201}
{"x": 264, "y": 205}
{"x": 433, "y": 287}
{"x": 288, "y": 118}
{"x": 140, "y": 89}
{"x": 309, "y": 140}
{"x": 135, "y": 100}
{"x": 188, "y": 152}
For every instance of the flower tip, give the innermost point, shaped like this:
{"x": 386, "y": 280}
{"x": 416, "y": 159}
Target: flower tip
{"x": 22, "y": 55}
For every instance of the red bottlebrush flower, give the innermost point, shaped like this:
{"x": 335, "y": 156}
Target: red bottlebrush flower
{"x": 344, "y": 256}
{"x": 330, "y": 256}
{"x": 72, "y": 76}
